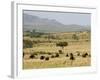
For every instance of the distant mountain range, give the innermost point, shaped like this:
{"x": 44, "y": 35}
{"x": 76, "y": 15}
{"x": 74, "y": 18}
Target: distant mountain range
{"x": 31, "y": 22}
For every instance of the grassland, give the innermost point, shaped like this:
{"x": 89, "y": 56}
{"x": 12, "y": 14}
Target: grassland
{"x": 45, "y": 45}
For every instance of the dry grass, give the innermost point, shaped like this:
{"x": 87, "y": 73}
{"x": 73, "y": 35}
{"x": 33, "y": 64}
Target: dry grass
{"x": 57, "y": 62}
{"x": 82, "y": 46}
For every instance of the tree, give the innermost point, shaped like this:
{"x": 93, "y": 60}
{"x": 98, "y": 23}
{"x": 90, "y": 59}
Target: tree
{"x": 27, "y": 44}
{"x": 33, "y": 31}
{"x": 75, "y": 37}
{"x": 49, "y": 37}
{"x": 35, "y": 34}
{"x": 62, "y": 44}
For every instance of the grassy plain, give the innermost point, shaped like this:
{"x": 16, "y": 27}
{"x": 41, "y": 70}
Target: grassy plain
{"x": 48, "y": 45}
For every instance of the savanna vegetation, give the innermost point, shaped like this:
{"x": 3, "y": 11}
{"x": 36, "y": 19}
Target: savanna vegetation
{"x": 56, "y": 49}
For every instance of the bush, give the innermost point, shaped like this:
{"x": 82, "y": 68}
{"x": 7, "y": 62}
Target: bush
{"x": 42, "y": 57}
{"x": 78, "y": 54}
{"x": 62, "y": 44}
{"x": 49, "y": 53}
{"x": 60, "y": 52}
{"x": 47, "y": 58}
{"x": 27, "y": 44}
{"x": 85, "y": 55}
{"x": 41, "y": 52}
{"x": 71, "y": 54}
{"x": 32, "y": 56}
{"x": 89, "y": 55}
{"x": 75, "y": 37}
{"x": 52, "y": 56}
{"x": 67, "y": 55}
{"x": 57, "y": 55}
{"x": 72, "y": 58}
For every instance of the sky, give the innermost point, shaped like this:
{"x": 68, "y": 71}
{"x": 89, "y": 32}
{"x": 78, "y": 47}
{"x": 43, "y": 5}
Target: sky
{"x": 66, "y": 18}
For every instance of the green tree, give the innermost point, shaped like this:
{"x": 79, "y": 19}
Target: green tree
{"x": 75, "y": 37}
{"x": 27, "y": 44}
{"x": 62, "y": 44}
{"x": 33, "y": 31}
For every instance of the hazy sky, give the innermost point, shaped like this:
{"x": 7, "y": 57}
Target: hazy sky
{"x": 64, "y": 18}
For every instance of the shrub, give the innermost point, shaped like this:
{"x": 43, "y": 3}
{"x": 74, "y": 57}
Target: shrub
{"x": 41, "y": 52}
{"x": 32, "y": 56}
{"x": 71, "y": 54}
{"x": 85, "y": 55}
{"x": 78, "y": 54}
{"x": 52, "y": 56}
{"x": 72, "y": 58}
{"x": 42, "y": 57}
{"x": 27, "y": 44}
{"x": 62, "y": 44}
{"x": 60, "y": 52}
{"x": 75, "y": 37}
{"x": 57, "y": 55}
{"x": 49, "y": 53}
{"x": 47, "y": 58}
{"x": 67, "y": 55}
{"x": 89, "y": 55}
